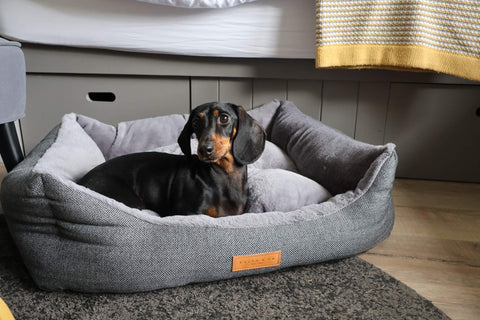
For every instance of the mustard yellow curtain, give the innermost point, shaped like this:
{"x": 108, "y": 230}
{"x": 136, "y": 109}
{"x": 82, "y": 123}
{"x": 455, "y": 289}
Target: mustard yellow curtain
{"x": 432, "y": 35}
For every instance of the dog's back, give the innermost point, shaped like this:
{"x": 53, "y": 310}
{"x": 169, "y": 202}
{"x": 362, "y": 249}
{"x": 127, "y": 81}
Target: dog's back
{"x": 139, "y": 180}
{"x": 165, "y": 183}
{"x": 213, "y": 182}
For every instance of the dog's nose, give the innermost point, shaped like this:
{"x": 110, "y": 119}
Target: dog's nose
{"x": 209, "y": 149}
{"x": 206, "y": 148}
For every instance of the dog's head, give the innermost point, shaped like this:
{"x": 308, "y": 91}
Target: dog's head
{"x": 223, "y": 129}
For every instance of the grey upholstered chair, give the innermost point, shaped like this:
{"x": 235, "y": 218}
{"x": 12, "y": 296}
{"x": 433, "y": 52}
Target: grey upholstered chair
{"x": 12, "y": 100}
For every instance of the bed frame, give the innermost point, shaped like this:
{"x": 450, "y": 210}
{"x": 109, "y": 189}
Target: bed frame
{"x": 434, "y": 119}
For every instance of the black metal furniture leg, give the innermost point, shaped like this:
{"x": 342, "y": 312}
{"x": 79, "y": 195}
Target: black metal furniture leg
{"x": 9, "y": 145}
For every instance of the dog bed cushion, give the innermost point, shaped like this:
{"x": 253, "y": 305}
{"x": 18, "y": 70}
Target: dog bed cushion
{"x": 273, "y": 184}
{"x": 73, "y": 238}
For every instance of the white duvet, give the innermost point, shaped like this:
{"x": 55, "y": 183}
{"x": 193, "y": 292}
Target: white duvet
{"x": 258, "y": 29}
{"x": 199, "y": 3}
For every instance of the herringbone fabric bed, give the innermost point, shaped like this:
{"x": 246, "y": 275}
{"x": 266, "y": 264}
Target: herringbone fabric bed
{"x": 438, "y": 35}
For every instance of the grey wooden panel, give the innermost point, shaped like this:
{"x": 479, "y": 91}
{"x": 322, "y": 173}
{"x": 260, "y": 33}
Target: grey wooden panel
{"x": 51, "y": 59}
{"x": 372, "y": 111}
{"x": 339, "y": 106}
{"x": 436, "y": 130}
{"x": 203, "y": 90}
{"x": 307, "y": 96}
{"x": 237, "y": 91}
{"x": 266, "y": 90}
{"x": 49, "y": 97}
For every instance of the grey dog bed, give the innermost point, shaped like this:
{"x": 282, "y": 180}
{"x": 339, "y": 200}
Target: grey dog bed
{"x": 71, "y": 238}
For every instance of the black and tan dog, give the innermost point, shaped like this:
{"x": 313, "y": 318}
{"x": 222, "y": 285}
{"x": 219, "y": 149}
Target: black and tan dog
{"x": 213, "y": 182}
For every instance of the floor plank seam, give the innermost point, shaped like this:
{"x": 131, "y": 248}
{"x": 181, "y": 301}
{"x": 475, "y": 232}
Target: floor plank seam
{"x": 426, "y": 259}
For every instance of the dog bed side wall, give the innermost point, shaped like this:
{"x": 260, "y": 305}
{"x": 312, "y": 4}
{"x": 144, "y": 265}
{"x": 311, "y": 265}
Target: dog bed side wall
{"x": 121, "y": 253}
{"x": 71, "y": 240}
{"x": 26, "y": 209}
{"x": 340, "y": 161}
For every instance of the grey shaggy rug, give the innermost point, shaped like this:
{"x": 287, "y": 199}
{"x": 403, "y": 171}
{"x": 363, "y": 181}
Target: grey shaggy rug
{"x": 345, "y": 289}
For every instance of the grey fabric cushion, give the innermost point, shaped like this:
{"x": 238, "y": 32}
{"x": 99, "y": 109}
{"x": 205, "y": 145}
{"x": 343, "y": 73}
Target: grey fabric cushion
{"x": 12, "y": 81}
{"x": 73, "y": 238}
{"x": 281, "y": 190}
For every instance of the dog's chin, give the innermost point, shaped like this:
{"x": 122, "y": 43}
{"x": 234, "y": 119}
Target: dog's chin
{"x": 207, "y": 159}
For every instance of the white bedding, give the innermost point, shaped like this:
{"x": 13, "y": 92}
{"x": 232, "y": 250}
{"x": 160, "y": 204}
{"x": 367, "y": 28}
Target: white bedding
{"x": 199, "y": 3}
{"x": 260, "y": 29}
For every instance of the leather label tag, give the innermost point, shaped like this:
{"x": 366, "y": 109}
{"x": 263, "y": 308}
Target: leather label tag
{"x": 256, "y": 261}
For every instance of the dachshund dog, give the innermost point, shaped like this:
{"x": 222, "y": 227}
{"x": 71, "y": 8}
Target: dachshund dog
{"x": 213, "y": 182}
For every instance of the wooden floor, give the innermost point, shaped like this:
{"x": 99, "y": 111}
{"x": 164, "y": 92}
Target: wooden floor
{"x": 435, "y": 244}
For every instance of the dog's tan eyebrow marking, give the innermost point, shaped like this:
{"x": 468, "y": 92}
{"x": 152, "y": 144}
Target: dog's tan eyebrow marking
{"x": 216, "y": 113}
{"x": 201, "y": 114}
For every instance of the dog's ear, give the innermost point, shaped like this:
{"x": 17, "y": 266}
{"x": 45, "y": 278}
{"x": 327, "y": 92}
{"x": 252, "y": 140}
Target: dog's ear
{"x": 185, "y": 138}
{"x": 249, "y": 141}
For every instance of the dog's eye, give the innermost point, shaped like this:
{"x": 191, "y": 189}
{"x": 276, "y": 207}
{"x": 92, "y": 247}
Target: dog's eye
{"x": 224, "y": 118}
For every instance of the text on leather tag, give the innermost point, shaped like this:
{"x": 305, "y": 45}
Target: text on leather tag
{"x": 256, "y": 261}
